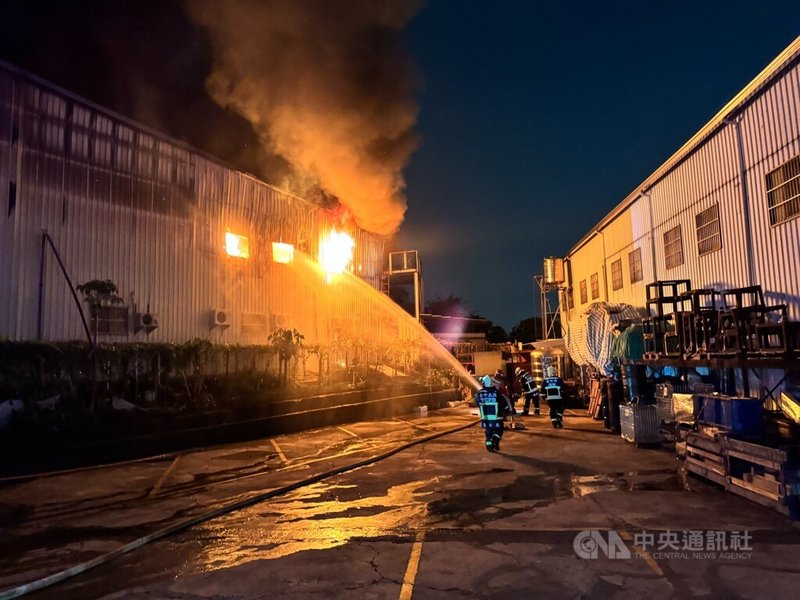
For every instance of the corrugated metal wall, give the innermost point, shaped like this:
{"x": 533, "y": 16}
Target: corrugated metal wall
{"x": 711, "y": 174}
{"x": 124, "y": 203}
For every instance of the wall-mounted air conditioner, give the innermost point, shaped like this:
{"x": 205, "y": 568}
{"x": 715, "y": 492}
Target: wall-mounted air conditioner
{"x": 145, "y": 320}
{"x": 219, "y": 317}
{"x": 280, "y": 321}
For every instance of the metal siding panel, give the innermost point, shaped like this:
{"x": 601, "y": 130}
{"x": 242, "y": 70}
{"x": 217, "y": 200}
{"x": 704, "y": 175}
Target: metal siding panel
{"x": 710, "y": 174}
{"x": 157, "y": 234}
{"x": 770, "y": 134}
{"x": 7, "y": 112}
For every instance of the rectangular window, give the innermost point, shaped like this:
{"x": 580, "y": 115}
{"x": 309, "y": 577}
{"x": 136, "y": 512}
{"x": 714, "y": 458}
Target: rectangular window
{"x": 143, "y": 158}
{"x": 584, "y": 296}
{"x": 635, "y": 264}
{"x": 783, "y": 191}
{"x": 81, "y": 127}
{"x": 570, "y": 298}
{"x": 595, "y": 287}
{"x": 673, "y": 248}
{"x": 616, "y": 274}
{"x": 110, "y": 320}
{"x": 123, "y": 159}
{"x": 709, "y": 238}
{"x": 255, "y": 324}
{"x": 102, "y": 142}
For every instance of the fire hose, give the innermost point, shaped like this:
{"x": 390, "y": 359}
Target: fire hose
{"x": 44, "y": 582}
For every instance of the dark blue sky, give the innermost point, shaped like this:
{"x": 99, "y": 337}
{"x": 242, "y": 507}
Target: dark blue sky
{"x": 537, "y": 118}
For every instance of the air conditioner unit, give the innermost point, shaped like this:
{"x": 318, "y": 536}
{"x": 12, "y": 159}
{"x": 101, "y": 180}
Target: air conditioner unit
{"x": 280, "y": 321}
{"x": 146, "y": 321}
{"x": 219, "y": 317}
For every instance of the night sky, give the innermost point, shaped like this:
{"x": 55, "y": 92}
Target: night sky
{"x": 539, "y": 117}
{"x": 535, "y": 118}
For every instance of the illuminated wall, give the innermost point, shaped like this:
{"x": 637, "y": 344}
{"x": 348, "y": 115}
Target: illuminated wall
{"x": 125, "y": 203}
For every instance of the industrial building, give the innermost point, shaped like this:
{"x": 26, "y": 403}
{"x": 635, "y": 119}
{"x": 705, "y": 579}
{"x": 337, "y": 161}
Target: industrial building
{"x": 195, "y": 248}
{"x": 722, "y": 211}
{"x": 683, "y": 303}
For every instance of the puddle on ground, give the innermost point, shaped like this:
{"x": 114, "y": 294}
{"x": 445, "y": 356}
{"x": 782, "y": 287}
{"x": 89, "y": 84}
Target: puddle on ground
{"x": 325, "y": 516}
{"x": 315, "y": 518}
{"x": 664, "y": 480}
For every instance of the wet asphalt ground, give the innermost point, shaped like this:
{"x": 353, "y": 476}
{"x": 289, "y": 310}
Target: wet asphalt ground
{"x": 441, "y": 519}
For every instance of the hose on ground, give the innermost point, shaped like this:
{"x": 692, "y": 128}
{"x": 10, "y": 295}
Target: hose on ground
{"x": 44, "y": 582}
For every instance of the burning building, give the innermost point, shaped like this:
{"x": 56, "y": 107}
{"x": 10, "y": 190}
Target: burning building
{"x": 195, "y": 248}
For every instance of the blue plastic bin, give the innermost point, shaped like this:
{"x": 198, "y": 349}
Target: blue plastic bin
{"x": 742, "y": 416}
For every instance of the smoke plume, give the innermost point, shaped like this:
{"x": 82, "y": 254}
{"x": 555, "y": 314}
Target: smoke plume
{"x": 325, "y": 85}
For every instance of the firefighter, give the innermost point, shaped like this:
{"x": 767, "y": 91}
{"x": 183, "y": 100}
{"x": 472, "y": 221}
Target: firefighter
{"x": 553, "y": 392}
{"x": 493, "y": 407}
{"x": 499, "y": 381}
{"x": 529, "y": 390}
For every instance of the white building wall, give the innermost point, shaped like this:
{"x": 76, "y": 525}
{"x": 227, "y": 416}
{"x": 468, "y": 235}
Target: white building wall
{"x": 708, "y": 174}
{"x": 771, "y": 136}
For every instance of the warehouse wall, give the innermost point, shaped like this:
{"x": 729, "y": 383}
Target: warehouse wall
{"x": 124, "y": 203}
{"x": 756, "y": 137}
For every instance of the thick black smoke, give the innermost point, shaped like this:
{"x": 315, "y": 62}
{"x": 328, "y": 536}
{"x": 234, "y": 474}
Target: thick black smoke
{"x": 326, "y": 87}
{"x": 313, "y": 95}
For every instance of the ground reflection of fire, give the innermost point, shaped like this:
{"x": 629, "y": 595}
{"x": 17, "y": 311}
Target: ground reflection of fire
{"x": 302, "y": 523}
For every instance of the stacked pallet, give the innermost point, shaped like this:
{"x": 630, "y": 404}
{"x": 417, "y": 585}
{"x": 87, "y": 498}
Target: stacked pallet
{"x": 759, "y": 473}
{"x": 596, "y": 399}
{"x": 705, "y": 456}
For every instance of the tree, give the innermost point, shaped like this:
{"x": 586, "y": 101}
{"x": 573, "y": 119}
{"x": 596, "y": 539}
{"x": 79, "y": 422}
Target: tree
{"x": 527, "y": 330}
{"x": 496, "y": 334}
{"x": 452, "y": 306}
{"x": 287, "y": 343}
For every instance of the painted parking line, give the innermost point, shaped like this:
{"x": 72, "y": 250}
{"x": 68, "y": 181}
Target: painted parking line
{"x": 163, "y": 478}
{"x": 279, "y": 451}
{"x": 413, "y": 565}
{"x": 644, "y": 554}
{"x": 348, "y": 432}
{"x": 415, "y": 425}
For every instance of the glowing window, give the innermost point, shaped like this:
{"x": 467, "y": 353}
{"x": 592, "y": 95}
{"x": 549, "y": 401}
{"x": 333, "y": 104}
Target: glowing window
{"x": 236, "y": 245}
{"x": 282, "y": 253}
{"x": 336, "y": 252}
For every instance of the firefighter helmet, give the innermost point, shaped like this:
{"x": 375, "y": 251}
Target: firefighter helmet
{"x": 518, "y": 371}
{"x": 486, "y": 381}
{"x": 551, "y": 372}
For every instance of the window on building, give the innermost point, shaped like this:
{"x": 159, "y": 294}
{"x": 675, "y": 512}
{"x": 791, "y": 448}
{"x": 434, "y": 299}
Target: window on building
{"x": 102, "y": 140}
{"x": 584, "y": 296}
{"x": 616, "y": 274}
{"x": 673, "y": 248}
{"x": 570, "y": 298}
{"x": 783, "y": 191}
{"x": 635, "y": 264}
{"x": 80, "y": 134}
{"x": 709, "y": 238}
{"x": 595, "y": 287}
{"x": 123, "y": 156}
{"x": 110, "y": 320}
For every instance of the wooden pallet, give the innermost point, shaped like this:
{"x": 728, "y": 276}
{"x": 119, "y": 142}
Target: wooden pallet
{"x": 761, "y": 474}
{"x": 596, "y": 399}
{"x": 705, "y": 456}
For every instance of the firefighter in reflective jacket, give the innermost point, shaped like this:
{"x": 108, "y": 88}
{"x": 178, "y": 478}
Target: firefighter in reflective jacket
{"x": 529, "y": 390}
{"x": 552, "y": 390}
{"x": 493, "y": 407}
